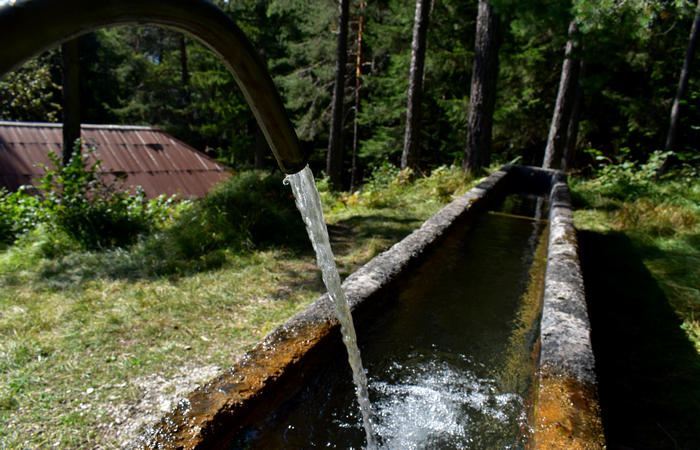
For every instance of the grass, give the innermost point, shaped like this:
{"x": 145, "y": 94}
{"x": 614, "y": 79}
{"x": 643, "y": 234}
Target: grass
{"x": 58, "y": 344}
{"x": 78, "y": 329}
{"x": 662, "y": 222}
{"x": 640, "y": 254}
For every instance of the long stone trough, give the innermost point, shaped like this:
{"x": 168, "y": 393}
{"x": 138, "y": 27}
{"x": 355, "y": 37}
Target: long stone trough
{"x": 566, "y": 412}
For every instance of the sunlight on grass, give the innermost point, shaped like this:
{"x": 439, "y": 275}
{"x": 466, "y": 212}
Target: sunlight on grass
{"x": 79, "y": 329}
{"x": 662, "y": 220}
{"x": 105, "y": 332}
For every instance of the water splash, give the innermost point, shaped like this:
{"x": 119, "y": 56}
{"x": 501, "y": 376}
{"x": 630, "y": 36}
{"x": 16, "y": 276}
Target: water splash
{"x": 309, "y": 204}
{"x": 431, "y": 404}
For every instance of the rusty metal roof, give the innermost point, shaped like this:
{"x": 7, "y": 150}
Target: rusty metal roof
{"x": 148, "y": 156}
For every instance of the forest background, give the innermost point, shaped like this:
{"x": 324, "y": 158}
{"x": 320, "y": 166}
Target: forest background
{"x": 118, "y": 294}
{"x": 633, "y": 53}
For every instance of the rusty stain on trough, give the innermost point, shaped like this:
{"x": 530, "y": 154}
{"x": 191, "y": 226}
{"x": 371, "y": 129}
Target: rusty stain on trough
{"x": 567, "y": 414}
{"x": 260, "y": 382}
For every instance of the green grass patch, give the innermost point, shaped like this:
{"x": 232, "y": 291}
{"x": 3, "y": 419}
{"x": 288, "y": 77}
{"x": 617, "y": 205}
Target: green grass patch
{"x": 661, "y": 217}
{"x": 80, "y": 328}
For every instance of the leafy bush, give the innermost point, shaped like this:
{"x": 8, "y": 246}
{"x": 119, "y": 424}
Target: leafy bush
{"x": 248, "y": 210}
{"x": 261, "y": 205}
{"x": 638, "y": 199}
{"x": 75, "y": 200}
{"x": 96, "y": 214}
{"x": 626, "y": 179}
{"x": 19, "y": 212}
{"x": 390, "y": 187}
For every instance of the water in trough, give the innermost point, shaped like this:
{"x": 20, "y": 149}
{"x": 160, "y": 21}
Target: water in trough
{"x": 450, "y": 353}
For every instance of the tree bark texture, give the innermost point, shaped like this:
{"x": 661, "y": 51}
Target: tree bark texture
{"x": 569, "y": 154}
{"x": 358, "y": 86}
{"x": 334, "y": 159}
{"x": 482, "y": 96}
{"x": 70, "y": 60}
{"x": 409, "y": 156}
{"x": 683, "y": 82}
{"x": 566, "y": 94}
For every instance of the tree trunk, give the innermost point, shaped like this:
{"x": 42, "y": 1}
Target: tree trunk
{"x": 334, "y": 159}
{"x": 71, "y": 97}
{"x": 564, "y": 103}
{"x": 482, "y": 96}
{"x": 409, "y": 156}
{"x": 569, "y": 154}
{"x": 358, "y": 86}
{"x": 682, "y": 88}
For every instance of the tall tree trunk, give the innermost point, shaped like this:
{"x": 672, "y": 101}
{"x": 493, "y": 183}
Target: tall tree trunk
{"x": 482, "y": 96}
{"x": 358, "y": 86}
{"x": 569, "y": 153}
{"x": 682, "y": 88}
{"x": 409, "y": 156}
{"x": 70, "y": 60}
{"x": 334, "y": 159}
{"x": 565, "y": 100}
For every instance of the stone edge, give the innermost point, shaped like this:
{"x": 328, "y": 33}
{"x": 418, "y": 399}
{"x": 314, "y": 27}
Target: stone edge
{"x": 567, "y": 411}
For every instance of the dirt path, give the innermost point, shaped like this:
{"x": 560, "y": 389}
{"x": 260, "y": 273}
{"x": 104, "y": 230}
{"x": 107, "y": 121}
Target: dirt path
{"x": 159, "y": 396}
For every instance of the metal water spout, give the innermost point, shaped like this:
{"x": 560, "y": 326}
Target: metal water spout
{"x": 28, "y": 27}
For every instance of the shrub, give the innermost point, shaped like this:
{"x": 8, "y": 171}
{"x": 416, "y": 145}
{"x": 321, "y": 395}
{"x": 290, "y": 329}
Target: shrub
{"x": 249, "y": 210}
{"x": 626, "y": 179}
{"x": 96, "y": 214}
{"x": 636, "y": 198}
{"x": 19, "y": 212}
{"x": 259, "y": 205}
{"x": 75, "y": 200}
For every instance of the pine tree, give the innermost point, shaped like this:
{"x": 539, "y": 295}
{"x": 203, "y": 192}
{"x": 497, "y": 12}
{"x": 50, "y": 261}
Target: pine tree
{"x": 411, "y": 146}
{"x": 563, "y": 108}
{"x": 354, "y": 175}
{"x": 483, "y": 89}
{"x": 334, "y": 158}
{"x": 682, "y": 86}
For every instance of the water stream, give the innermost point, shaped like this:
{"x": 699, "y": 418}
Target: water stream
{"x": 309, "y": 204}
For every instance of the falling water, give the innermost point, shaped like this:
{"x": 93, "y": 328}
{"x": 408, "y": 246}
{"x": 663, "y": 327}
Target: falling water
{"x": 309, "y": 204}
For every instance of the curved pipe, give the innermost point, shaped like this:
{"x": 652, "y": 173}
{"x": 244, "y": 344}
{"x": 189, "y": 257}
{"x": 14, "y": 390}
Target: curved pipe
{"x": 28, "y": 27}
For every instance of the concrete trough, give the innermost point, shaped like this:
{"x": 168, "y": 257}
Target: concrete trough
{"x": 566, "y": 412}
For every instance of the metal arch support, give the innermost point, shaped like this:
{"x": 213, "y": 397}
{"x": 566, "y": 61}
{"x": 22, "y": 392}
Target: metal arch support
{"x": 28, "y": 27}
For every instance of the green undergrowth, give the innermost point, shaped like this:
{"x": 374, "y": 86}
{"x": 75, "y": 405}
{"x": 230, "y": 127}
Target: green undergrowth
{"x": 388, "y": 207}
{"x": 660, "y": 216}
{"x": 82, "y": 327}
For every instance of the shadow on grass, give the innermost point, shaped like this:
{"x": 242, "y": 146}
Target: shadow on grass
{"x": 74, "y": 269}
{"x": 648, "y": 371}
{"x": 345, "y": 232}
